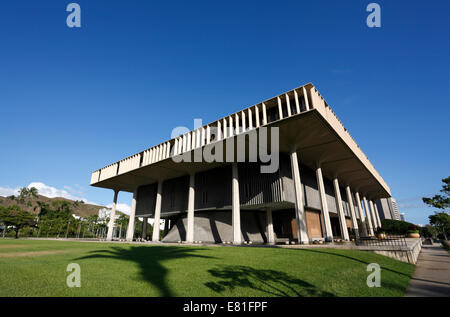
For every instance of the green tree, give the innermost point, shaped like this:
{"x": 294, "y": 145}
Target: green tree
{"x": 441, "y": 221}
{"x": 122, "y": 222}
{"x": 440, "y": 201}
{"x": 16, "y": 217}
{"x": 27, "y": 193}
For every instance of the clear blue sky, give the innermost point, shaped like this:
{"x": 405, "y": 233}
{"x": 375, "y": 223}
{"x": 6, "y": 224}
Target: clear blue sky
{"x": 74, "y": 100}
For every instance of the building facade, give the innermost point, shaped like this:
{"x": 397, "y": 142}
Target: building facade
{"x": 283, "y": 169}
{"x": 388, "y": 208}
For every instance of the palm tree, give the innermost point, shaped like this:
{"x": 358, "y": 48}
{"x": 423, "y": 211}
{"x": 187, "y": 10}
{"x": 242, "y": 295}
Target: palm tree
{"x": 122, "y": 221}
{"x": 33, "y": 192}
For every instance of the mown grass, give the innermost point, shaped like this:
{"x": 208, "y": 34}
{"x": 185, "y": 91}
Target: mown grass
{"x": 113, "y": 269}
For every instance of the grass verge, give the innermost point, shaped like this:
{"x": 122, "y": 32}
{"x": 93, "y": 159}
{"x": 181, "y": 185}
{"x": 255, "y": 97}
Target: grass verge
{"x": 38, "y": 268}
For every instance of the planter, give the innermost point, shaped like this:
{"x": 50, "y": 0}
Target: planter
{"x": 413, "y": 235}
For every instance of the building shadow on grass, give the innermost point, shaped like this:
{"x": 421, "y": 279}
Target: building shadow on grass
{"x": 268, "y": 282}
{"x": 150, "y": 261}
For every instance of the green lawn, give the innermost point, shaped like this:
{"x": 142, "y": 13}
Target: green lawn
{"x": 38, "y": 268}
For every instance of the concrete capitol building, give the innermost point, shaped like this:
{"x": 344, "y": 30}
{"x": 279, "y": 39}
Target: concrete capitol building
{"x": 325, "y": 188}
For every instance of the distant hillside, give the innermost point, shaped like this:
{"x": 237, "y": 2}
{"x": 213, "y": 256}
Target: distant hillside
{"x": 30, "y": 205}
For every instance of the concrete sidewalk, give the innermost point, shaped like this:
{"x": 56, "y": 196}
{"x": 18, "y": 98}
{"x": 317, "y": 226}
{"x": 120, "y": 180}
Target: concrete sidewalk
{"x": 432, "y": 275}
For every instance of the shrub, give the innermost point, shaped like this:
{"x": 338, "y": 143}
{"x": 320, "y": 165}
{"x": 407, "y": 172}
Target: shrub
{"x": 397, "y": 226}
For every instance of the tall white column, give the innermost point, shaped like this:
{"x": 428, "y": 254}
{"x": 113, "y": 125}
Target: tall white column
{"x": 352, "y": 211}
{"x": 130, "y": 229}
{"x": 340, "y": 210}
{"x": 190, "y": 216}
{"x": 361, "y": 214}
{"x": 157, "y": 218}
{"x": 323, "y": 202}
{"x": 270, "y": 233}
{"x": 368, "y": 217}
{"x": 112, "y": 216}
{"x": 302, "y": 231}
{"x": 236, "y": 205}
{"x": 374, "y": 218}
{"x": 377, "y": 213}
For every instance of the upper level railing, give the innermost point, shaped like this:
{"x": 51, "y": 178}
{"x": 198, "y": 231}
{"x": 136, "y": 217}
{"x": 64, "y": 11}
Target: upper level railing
{"x": 325, "y": 110}
{"x": 277, "y": 108}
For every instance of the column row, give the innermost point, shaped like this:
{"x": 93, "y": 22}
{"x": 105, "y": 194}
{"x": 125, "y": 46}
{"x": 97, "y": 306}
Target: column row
{"x": 369, "y": 221}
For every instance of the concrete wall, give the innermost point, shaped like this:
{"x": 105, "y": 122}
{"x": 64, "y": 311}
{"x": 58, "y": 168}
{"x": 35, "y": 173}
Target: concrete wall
{"x": 215, "y": 226}
{"x": 310, "y": 188}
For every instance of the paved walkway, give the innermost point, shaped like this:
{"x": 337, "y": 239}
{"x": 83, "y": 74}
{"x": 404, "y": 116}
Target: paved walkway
{"x": 432, "y": 275}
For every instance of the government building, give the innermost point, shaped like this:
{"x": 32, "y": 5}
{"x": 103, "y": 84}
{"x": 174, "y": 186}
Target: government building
{"x": 284, "y": 169}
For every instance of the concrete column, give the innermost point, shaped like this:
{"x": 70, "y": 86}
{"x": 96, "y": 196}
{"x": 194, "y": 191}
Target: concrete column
{"x": 199, "y": 137}
{"x": 280, "y": 108}
{"x": 250, "y": 119}
{"x": 193, "y": 139}
{"x": 368, "y": 217}
{"x": 236, "y": 205}
{"x": 374, "y": 218}
{"x": 306, "y": 99}
{"x": 203, "y": 136}
{"x": 111, "y": 217}
{"x": 297, "y": 104}
{"x": 219, "y": 131}
{"x": 340, "y": 210}
{"x": 208, "y": 134}
{"x": 130, "y": 229}
{"x": 288, "y": 105}
{"x": 168, "y": 150}
{"x": 188, "y": 141}
{"x": 157, "y": 218}
{"x": 323, "y": 202}
{"x": 236, "y": 124}
{"x": 270, "y": 233}
{"x": 352, "y": 211}
{"x": 190, "y": 216}
{"x": 377, "y": 213}
{"x": 302, "y": 231}
{"x": 144, "y": 227}
{"x": 264, "y": 110}
{"x": 243, "y": 124}
{"x": 257, "y": 116}
{"x": 180, "y": 145}
{"x": 361, "y": 215}
{"x": 175, "y": 150}
{"x": 225, "y": 128}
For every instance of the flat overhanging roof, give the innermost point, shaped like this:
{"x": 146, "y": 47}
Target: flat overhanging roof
{"x": 319, "y": 137}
